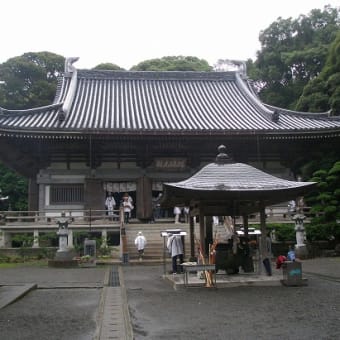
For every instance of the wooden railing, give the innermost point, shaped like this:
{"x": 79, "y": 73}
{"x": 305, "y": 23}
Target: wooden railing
{"x": 51, "y": 217}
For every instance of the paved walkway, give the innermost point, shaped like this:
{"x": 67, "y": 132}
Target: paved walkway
{"x": 110, "y": 307}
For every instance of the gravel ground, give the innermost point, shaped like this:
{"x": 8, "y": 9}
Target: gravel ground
{"x": 64, "y": 308}
{"x": 53, "y": 314}
{"x": 159, "y": 312}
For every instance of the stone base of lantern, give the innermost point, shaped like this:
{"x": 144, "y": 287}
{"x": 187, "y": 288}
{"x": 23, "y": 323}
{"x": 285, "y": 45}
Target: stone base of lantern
{"x": 301, "y": 251}
{"x": 64, "y": 259}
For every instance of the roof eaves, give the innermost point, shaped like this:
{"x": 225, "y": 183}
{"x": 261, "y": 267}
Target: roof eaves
{"x": 40, "y": 109}
{"x": 316, "y": 115}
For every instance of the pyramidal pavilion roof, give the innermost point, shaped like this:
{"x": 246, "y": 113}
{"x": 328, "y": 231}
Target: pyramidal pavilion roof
{"x": 226, "y": 182}
{"x": 198, "y": 103}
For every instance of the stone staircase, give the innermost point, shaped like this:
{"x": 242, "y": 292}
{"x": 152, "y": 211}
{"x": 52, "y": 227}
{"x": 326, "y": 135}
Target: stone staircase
{"x": 154, "y": 249}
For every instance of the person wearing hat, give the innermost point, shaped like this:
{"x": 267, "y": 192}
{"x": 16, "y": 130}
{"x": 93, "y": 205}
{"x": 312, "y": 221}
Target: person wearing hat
{"x": 140, "y": 242}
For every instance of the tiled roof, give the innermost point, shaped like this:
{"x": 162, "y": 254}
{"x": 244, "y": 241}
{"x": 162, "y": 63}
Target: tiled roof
{"x": 236, "y": 177}
{"x": 113, "y": 102}
{"x": 225, "y": 181}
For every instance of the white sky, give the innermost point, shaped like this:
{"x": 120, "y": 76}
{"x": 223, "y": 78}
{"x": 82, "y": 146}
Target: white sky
{"x": 126, "y": 32}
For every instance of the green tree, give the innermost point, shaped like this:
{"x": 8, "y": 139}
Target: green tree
{"x": 323, "y": 92}
{"x": 108, "y": 66}
{"x": 14, "y": 186}
{"x": 325, "y": 203}
{"x": 173, "y": 63}
{"x": 294, "y": 52}
{"x": 30, "y": 80}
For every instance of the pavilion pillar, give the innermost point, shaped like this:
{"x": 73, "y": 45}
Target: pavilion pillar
{"x": 264, "y": 250}
{"x": 245, "y": 225}
{"x": 208, "y": 233}
{"x": 192, "y": 237}
{"x": 202, "y": 232}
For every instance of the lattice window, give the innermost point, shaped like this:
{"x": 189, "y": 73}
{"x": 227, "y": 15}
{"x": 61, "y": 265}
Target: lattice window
{"x": 63, "y": 194}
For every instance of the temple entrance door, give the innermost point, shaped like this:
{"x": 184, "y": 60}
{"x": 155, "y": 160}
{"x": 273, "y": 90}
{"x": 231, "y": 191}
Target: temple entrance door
{"x": 118, "y": 189}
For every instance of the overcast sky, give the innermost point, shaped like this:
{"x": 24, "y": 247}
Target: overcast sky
{"x": 126, "y": 32}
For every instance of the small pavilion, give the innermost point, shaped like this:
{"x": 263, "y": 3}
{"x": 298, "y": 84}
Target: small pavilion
{"x": 227, "y": 188}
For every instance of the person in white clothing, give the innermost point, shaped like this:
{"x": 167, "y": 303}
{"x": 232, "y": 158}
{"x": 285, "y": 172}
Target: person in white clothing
{"x": 177, "y": 213}
{"x": 110, "y": 204}
{"x": 140, "y": 242}
{"x": 127, "y": 207}
{"x": 175, "y": 248}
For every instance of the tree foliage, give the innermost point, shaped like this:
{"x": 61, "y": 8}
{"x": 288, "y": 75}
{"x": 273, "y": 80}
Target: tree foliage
{"x": 323, "y": 92}
{"x": 30, "y": 80}
{"x": 325, "y": 202}
{"x": 294, "y": 51}
{"x": 173, "y": 63}
{"x": 14, "y": 186}
{"x": 108, "y": 66}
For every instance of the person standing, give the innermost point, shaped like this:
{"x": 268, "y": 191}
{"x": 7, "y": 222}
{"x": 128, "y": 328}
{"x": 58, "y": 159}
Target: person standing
{"x": 186, "y": 212}
{"x": 127, "y": 207}
{"x": 110, "y": 204}
{"x": 177, "y": 213}
{"x": 291, "y": 207}
{"x": 140, "y": 242}
{"x": 175, "y": 247}
{"x": 291, "y": 254}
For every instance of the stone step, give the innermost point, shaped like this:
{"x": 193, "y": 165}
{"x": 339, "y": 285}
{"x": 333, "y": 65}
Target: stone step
{"x": 155, "y": 242}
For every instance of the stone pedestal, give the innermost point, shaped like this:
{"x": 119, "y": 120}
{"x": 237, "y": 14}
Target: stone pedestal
{"x": 63, "y": 235}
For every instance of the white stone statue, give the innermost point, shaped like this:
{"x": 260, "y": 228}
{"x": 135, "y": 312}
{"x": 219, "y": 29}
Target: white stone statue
{"x": 299, "y": 229}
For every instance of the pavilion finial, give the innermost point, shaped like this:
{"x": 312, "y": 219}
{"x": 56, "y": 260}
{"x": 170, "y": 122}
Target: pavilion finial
{"x": 222, "y": 157}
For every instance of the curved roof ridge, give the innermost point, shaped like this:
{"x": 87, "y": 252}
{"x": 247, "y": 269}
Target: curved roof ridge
{"x": 155, "y": 75}
{"x": 39, "y": 109}
{"x": 243, "y": 85}
{"x": 303, "y": 114}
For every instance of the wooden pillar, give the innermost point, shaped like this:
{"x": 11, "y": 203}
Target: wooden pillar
{"x": 209, "y": 239}
{"x": 202, "y": 232}
{"x": 33, "y": 194}
{"x": 245, "y": 225}
{"x": 123, "y": 239}
{"x": 94, "y": 195}
{"x": 144, "y": 198}
{"x": 264, "y": 251}
{"x": 192, "y": 238}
